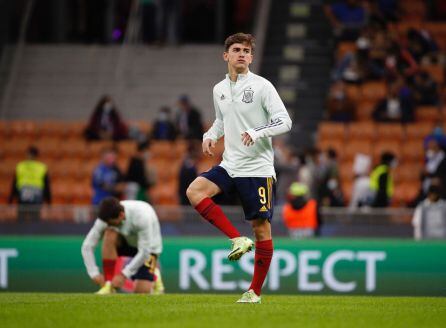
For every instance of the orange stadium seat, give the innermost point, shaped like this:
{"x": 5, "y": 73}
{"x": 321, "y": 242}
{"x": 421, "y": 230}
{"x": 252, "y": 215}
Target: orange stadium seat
{"x": 374, "y": 91}
{"x": 353, "y": 92}
{"x": 163, "y": 149}
{"x": 347, "y": 190}
{"x": 386, "y": 146}
{"x": 428, "y": 114}
{"x": 330, "y": 130}
{"x": 5, "y": 189}
{"x": 408, "y": 172}
{"x": 22, "y": 128}
{"x": 82, "y": 194}
{"x": 54, "y": 129}
{"x": 418, "y": 131}
{"x": 436, "y": 72}
{"x": 76, "y": 129}
{"x": 405, "y": 192}
{"x": 16, "y": 147}
{"x": 362, "y": 130}
{"x": 344, "y": 48}
{"x": 76, "y": 148}
{"x": 364, "y": 110}
{"x": 127, "y": 148}
{"x": 337, "y": 145}
{"x": 353, "y": 147}
{"x": 61, "y": 192}
{"x": 412, "y": 151}
{"x": 346, "y": 171}
{"x": 50, "y": 147}
{"x": 165, "y": 193}
{"x": 390, "y": 131}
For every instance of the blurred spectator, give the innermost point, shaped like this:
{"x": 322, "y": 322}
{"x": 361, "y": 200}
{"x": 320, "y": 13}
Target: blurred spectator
{"x": 435, "y": 167}
{"x": 429, "y": 219}
{"x": 308, "y": 171}
{"x": 437, "y": 135}
{"x": 330, "y": 193}
{"x": 340, "y": 107}
{"x": 399, "y": 61}
{"x": 105, "y": 122}
{"x": 396, "y": 107}
{"x": 107, "y": 178}
{"x": 420, "y": 44}
{"x": 346, "y": 18}
{"x": 357, "y": 67}
{"x": 425, "y": 89}
{"x": 30, "y": 186}
{"x": 361, "y": 194}
{"x": 163, "y": 127}
{"x": 188, "y": 171}
{"x": 300, "y": 213}
{"x": 189, "y": 123}
{"x": 381, "y": 181}
{"x": 138, "y": 178}
{"x": 286, "y": 165}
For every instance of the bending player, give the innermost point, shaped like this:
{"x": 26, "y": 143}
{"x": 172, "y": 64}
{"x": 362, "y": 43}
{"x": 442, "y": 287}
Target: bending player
{"x": 248, "y": 113}
{"x": 129, "y": 228}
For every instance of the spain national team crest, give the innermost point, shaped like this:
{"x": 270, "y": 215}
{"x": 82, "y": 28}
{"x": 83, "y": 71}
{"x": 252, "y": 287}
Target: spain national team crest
{"x": 248, "y": 96}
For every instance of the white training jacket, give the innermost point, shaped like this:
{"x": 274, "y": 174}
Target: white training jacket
{"x": 252, "y": 105}
{"x": 140, "y": 228}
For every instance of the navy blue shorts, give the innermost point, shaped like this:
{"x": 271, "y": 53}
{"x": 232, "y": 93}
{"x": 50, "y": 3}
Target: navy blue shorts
{"x": 146, "y": 271}
{"x": 256, "y": 193}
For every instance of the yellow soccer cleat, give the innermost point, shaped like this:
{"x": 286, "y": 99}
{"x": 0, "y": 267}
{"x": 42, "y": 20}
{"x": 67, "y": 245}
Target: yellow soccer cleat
{"x": 250, "y": 297}
{"x": 158, "y": 286}
{"x": 240, "y": 246}
{"x": 107, "y": 289}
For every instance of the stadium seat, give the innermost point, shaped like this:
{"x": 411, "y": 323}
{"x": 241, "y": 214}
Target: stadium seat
{"x": 76, "y": 148}
{"x": 428, "y": 114}
{"x": 344, "y": 48}
{"x": 353, "y": 92}
{"x": 418, "y": 131}
{"x": 412, "y": 151}
{"x": 53, "y": 129}
{"x": 362, "y": 130}
{"x": 405, "y": 192}
{"x": 165, "y": 193}
{"x": 82, "y": 194}
{"x": 386, "y": 146}
{"x": 374, "y": 91}
{"x": 390, "y": 131}
{"x": 435, "y": 71}
{"x": 61, "y": 192}
{"x": 22, "y": 128}
{"x": 353, "y": 147}
{"x": 127, "y": 148}
{"x": 337, "y": 145}
{"x": 409, "y": 172}
{"x": 346, "y": 171}
{"x": 50, "y": 147}
{"x": 330, "y": 130}
{"x": 163, "y": 149}
{"x": 364, "y": 110}
{"x": 347, "y": 190}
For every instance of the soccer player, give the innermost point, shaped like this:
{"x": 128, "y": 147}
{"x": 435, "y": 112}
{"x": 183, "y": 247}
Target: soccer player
{"x": 129, "y": 228}
{"x": 248, "y": 112}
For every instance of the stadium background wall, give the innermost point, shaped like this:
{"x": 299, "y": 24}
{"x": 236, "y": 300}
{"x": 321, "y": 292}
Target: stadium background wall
{"x": 328, "y": 266}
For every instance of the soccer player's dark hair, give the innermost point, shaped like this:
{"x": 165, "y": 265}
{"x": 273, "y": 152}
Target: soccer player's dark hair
{"x": 242, "y": 38}
{"x": 109, "y": 208}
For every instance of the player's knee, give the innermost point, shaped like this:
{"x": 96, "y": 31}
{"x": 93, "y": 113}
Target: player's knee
{"x": 194, "y": 193}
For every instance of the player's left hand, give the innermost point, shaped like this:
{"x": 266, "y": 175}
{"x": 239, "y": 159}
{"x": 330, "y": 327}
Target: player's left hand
{"x": 118, "y": 280}
{"x": 246, "y": 139}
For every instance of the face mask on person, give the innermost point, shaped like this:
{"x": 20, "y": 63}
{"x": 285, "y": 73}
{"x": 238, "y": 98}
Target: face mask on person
{"x": 430, "y": 154}
{"x": 108, "y": 106}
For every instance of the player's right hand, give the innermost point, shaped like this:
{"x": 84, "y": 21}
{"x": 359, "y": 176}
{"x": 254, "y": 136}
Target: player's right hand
{"x": 99, "y": 280}
{"x": 207, "y": 145}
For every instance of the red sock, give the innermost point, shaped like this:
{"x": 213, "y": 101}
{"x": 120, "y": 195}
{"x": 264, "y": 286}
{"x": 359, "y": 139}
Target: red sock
{"x": 213, "y": 213}
{"x": 262, "y": 260}
{"x": 109, "y": 268}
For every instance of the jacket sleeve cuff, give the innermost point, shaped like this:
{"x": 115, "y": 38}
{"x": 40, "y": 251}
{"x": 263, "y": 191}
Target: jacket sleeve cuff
{"x": 253, "y": 134}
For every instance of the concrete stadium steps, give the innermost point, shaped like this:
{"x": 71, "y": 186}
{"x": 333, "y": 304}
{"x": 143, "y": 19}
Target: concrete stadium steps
{"x": 297, "y": 60}
{"x": 65, "y": 81}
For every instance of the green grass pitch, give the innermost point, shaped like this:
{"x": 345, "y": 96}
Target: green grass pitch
{"x": 210, "y": 310}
